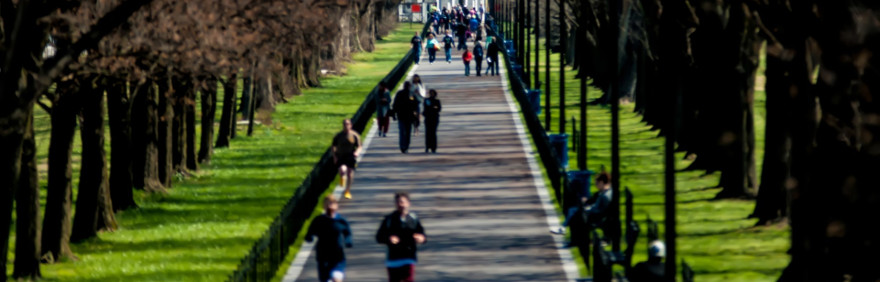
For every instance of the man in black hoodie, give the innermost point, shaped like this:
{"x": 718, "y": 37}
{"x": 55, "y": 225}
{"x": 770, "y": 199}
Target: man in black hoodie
{"x": 401, "y": 231}
{"x": 405, "y": 111}
{"x": 492, "y": 58}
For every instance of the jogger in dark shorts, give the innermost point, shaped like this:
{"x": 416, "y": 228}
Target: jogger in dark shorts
{"x": 333, "y": 234}
{"x": 346, "y": 148}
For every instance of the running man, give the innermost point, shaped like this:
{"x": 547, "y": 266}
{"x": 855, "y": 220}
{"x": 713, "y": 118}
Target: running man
{"x": 346, "y": 148}
{"x": 333, "y": 232}
{"x": 401, "y": 231}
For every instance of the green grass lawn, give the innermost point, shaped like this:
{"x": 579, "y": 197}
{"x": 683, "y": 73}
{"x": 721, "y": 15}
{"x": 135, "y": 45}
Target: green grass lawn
{"x": 206, "y": 224}
{"x": 715, "y": 237}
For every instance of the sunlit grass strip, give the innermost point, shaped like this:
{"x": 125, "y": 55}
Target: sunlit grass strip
{"x": 206, "y": 224}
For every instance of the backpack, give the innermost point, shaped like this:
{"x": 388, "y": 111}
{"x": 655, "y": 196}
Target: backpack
{"x": 478, "y": 51}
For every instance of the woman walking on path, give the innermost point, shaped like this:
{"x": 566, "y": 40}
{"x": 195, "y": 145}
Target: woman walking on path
{"x": 432, "y": 120}
{"x": 401, "y": 231}
{"x": 346, "y": 148}
{"x": 432, "y": 48}
{"x": 478, "y": 56}
{"x": 383, "y": 107}
{"x": 404, "y": 110}
{"x": 466, "y": 58}
{"x": 418, "y": 94}
{"x": 333, "y": 234}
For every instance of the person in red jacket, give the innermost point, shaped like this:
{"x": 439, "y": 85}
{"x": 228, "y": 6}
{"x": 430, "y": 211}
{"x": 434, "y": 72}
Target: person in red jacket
{"x": 467, "y": 57}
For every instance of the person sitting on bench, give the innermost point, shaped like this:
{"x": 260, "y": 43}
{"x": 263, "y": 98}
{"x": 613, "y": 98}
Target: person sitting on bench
{"x": 593, "y": 209}
{"x": 653, "y": 269}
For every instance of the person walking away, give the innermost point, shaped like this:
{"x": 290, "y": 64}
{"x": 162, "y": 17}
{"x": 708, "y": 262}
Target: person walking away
{"x": 462, "y": 35}
{"x": 432, "y": 48}
{"x": 416, "y": 44}
{"x": 383, "y": 108}
{"x": 401, "y": 231}
{"x": 432, "y": 120}
{"x": 346, "y": 148}
{"x": 448, "y": 43}
{"x": 333, "y": 234}
{"x": 654, "y": 268}
{"x": 468, "y": 33}
{"x": 404, "y": 112}
{"x": 466, "y": 58}
{"x": 478, "y": 56}
{"x": 474, "y": 24}
{"x": 448, "y": 20}
{"x": 418, "y": 95}
{"x": 492, "y": 58}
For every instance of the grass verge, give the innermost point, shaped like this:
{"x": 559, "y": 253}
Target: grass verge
{"x": 202, "y": 228}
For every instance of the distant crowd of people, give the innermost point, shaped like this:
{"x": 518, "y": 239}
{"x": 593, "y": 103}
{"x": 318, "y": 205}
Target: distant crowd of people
{"x": 413, "y": 105}
{"x": 451, "y": 29}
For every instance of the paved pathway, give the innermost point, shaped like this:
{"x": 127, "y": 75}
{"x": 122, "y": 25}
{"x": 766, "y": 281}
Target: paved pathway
{"x": 480, "y": 198}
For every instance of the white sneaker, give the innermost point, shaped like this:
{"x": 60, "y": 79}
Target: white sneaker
{"x": 558, "y": 231}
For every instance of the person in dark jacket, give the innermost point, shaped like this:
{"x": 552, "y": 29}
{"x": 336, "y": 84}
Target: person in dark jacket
{"x": 592, "y": 212}
{"x": 492, "y": 58}
{"x": 478, "y": 56}
{"x": 405, "y": 110}
{"x": 401, "y": 231}
{"x": 432, "y": 120}
{"x": 383, "y": 108}
{"x": 461, "y": 32}
{"x": 416, "y": 45}
{"x": 654, "y": 268}
{"x": 333, "y": 233}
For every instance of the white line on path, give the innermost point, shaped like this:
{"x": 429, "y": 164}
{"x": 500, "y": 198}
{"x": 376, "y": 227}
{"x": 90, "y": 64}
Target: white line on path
{"x": 571, "y": 270}
{"x": 302, "y": 257}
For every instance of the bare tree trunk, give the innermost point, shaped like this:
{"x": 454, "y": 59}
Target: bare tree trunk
{"x": 144, "y": 123}
{"x": 27, "y": 223}
{"x": 771, "y": 202}
{"x": 227, "y": 117}
{"x": 178, "y": 131}
{"x": 94, "y": 211}
{"x": 312, "y": 69}
{"x": 165, "y": 141}
{"x": 13, "y": 118}
{"x": 209, "y": 107}
{"x": 192, "y": 161}
{"x": 252, "y": 102}
{"x": 234, "y": 119}
{"x": 119, "y": 114}
{"x": 246, "y": 96}
{"x": 56, "y": 223}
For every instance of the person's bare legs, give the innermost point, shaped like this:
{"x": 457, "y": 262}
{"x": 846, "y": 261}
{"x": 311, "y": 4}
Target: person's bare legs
{"x": 350, "y": 176}
{"x": 344, "y": 181}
